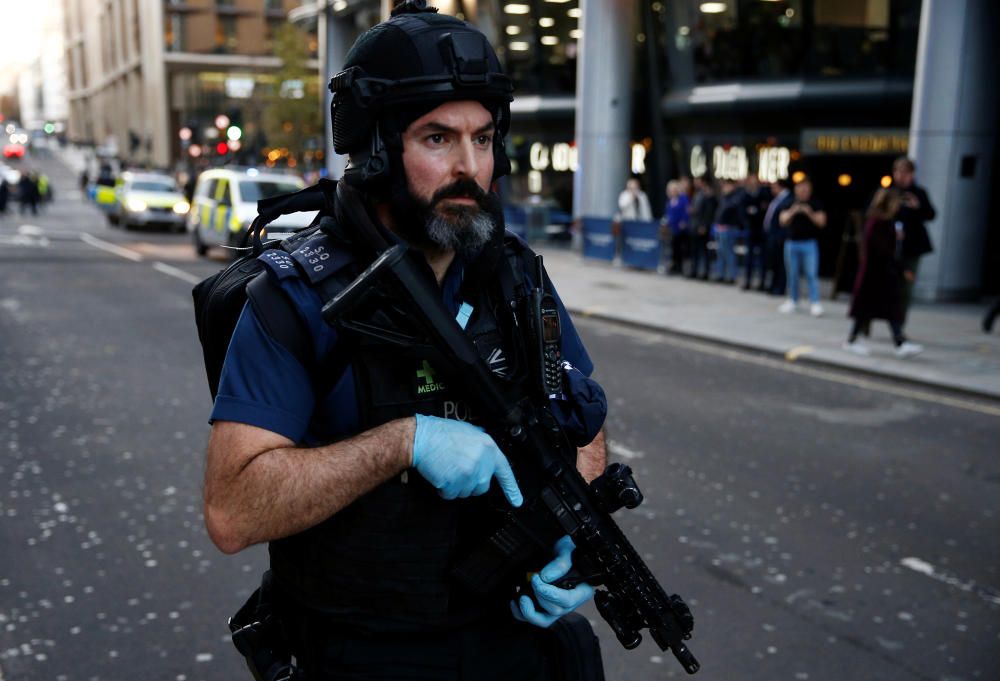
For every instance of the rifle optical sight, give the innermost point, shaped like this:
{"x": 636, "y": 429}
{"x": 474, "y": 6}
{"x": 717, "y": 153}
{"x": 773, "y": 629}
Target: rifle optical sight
{"x": 616, "y": 487}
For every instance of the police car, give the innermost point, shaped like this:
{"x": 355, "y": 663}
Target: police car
{"x": 225, "y": 203}
{"x": 148, "y": 199}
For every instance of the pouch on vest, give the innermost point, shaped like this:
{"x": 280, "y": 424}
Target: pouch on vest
{"x": 258, "y": 636}
{"x": 575, "y": 649}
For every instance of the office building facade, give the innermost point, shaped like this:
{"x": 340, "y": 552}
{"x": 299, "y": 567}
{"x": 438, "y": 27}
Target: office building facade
{"x": 148, "y": 79}
{"x": 833, "y": 90}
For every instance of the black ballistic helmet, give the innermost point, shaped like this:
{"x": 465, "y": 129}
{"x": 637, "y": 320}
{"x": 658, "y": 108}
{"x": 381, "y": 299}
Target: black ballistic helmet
{"x": 403, "y": 68}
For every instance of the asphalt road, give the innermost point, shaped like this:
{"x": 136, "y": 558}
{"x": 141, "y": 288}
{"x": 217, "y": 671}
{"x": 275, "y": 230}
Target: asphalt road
{"x": 821, "y": 529}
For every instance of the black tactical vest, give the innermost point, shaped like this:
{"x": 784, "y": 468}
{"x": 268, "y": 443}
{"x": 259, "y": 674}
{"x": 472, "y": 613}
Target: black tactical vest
{"x": 383, "y": 563}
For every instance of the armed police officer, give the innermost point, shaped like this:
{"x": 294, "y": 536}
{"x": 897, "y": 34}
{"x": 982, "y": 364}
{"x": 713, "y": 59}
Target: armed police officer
{"x": 368, "y": 482}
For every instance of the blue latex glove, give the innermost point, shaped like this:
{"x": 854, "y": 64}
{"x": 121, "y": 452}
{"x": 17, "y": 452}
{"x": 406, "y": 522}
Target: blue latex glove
{"x": 460, "y": 460}
{"x": 554, "y": 602}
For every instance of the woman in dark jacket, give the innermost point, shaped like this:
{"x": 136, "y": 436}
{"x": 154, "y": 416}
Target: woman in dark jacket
{"x": 876, "y": 289}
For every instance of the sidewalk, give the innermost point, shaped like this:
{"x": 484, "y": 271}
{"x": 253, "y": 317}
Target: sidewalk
{"x": 957, "y": 354}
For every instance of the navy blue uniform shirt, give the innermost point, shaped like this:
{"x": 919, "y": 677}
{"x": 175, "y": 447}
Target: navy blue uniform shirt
{"x": 264, "y": 385}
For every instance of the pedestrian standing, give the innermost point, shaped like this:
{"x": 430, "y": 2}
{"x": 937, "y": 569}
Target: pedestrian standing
{"x": 876, "y": 289}
{"x": 803, "y": 219}
{"x": 4, "y": 195}
{"x": 27, "y": 193}
{"x": 678, "y": 220}
{"x": 44, "y": 188}
{"x": 757, "y": 200}
{"x": 915, "y": 210}
{"x": 730, "y": 219}
{"x": 633, "y": 204}
{"x": 774, "y": 238}
{"x": 702, "y": 212}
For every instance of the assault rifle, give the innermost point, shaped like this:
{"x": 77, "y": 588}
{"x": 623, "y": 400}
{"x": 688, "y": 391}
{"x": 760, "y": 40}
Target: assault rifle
{"x": 397, "y": 302}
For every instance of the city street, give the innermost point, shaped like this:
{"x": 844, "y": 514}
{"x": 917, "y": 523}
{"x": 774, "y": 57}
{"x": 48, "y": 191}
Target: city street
{"x": 821, "y": 529}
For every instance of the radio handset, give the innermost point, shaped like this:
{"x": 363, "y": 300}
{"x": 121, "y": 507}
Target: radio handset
{"x": 546, "y": 335}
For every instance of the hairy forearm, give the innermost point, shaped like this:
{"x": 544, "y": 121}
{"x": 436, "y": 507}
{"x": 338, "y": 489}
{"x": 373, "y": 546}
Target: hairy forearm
{"x": 284, "y": 490}
{"x": 592, "y": 459}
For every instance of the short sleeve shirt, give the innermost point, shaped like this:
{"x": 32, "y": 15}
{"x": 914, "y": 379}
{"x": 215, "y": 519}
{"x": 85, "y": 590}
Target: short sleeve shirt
{"x": 264, "y": 385}
{"x": 802, "y": 228}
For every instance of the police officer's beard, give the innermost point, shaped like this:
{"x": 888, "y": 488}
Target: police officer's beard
{"x": 440, "y": 224}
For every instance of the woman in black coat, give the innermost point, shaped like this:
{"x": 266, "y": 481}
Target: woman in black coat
{"x": 876, "y": 288}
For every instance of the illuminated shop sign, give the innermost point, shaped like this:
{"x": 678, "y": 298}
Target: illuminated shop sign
{"x": 888, "y": 141}
{"x": 560, "y": 157}
{"x": 730, "y": 163}
{"x": 638, "y": 159}
{"x": 772, "y": 163}
{"x": 563, "y": 157}
{"x": 238, "y": 87}
{"x": 699, "y": 163}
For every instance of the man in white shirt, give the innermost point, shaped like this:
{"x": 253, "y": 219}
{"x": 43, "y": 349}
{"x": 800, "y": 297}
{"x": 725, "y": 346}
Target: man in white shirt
{"x": 633, "y": 204}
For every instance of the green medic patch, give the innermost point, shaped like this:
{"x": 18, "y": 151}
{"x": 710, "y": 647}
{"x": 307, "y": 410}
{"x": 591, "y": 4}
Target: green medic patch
{"x": 427, "y": 380}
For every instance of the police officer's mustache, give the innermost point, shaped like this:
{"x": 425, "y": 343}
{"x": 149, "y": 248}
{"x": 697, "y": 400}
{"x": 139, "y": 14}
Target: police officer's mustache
{"x": 460, "y": 189}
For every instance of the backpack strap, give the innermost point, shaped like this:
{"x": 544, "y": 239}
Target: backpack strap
{"x": 318, "y": 257}
{"x": 273, "y": 309}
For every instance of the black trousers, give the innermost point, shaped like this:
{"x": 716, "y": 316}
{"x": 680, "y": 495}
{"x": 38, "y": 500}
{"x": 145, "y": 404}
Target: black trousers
{"x": 774, "y": 262}
{"x": 678, "y": 251}
{"x": 699, "y": 255}
{"x": 498, "y": 651}
{"x": 755, "y": 258}
{"x": 862, "y": 325}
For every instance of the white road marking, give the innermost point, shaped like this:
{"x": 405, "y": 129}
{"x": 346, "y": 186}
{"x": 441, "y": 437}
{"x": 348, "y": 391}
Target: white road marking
{"x": 747, "y": 357}
{"x": 110, "y": 247}
{"x": 35, "y": 230}
{"x": 925, "y": 568}
{"x": 129, "y": 254}
{"x": 24, "y": 240}
{"x": 623, "y": 451}
{"x": 176, "y": 272}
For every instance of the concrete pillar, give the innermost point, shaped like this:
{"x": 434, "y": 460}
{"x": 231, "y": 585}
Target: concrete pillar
{"x": 953, "y": 140}
{"x": 155, "y": 83}
{"x": 603, "y": 104}
{"x": 336, "y": 35}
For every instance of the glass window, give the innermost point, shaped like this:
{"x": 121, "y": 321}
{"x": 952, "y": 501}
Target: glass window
{"x": 733, "y": 40}
{"x": 536, "y": 41}
{"x": 208, "y": 189}
{"x": 174, "y": 34}
{"x": 251, "y": 190}
{"x": 225, "y": 34}
{"x": 850, "y": 37}
{"x": 222, "y": 193}
{"x": 154, "y": 186}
